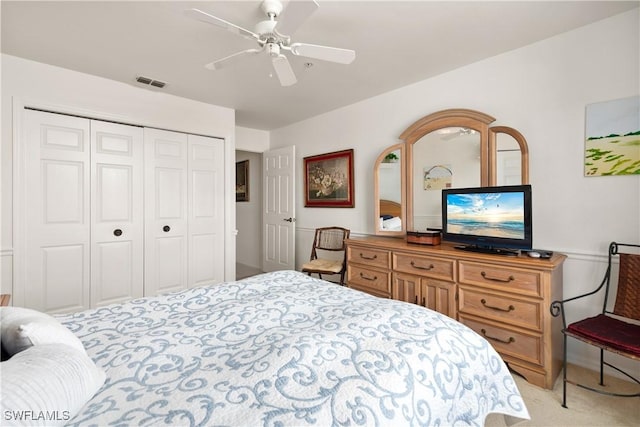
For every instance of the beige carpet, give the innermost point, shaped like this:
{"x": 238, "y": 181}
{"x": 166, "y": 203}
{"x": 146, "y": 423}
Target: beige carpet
{"x": 243, "y": 271}
{"x": 585, "y": 408}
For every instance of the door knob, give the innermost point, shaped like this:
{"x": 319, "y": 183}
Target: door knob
{"x": 289, "y": 219}
{"x": 117, "y": 232}
{"x": 166, "y": 228}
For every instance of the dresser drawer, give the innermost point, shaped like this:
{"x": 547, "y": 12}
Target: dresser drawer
{"x": 378, "y": 281}
{"x": 514, "y": 311}
{"x": 436, "y": 268}
{"x": 369, "y": 257}
{"x": 520, "y": 345}
{"x": 522, "y": 282}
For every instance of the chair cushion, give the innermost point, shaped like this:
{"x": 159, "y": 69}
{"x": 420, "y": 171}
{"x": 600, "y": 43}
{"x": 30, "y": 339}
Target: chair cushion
{"x": 322, "y": 265}
{"x": 610, "y": 332}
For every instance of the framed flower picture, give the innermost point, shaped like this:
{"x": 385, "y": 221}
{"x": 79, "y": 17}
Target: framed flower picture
{"x": 328, "y": 180}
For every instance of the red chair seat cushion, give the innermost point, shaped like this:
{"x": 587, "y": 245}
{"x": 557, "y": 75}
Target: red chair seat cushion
{"x": 609, "y": 332}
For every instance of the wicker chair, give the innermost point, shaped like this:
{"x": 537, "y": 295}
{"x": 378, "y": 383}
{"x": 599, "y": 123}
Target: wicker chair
{"x": 611, "y": 330}
{"x": 328, "y": 239}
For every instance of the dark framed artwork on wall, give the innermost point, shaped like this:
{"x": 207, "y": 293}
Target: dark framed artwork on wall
{"x": 328, "y": 180}
{"x": 242, "y": 181}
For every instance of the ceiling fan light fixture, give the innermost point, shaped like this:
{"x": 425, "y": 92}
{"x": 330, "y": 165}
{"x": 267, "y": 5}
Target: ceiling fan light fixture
{"x": 273, "y": 49}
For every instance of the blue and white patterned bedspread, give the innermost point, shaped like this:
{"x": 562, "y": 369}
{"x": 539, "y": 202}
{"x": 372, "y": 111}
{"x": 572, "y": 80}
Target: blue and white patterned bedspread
{"x": 285, "y": 349}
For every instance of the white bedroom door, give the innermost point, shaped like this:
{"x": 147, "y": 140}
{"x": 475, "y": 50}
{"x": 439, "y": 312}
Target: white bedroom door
{"x": 166, "y": 234}
{"x": 54, "y": 259}
{"x": 117, "y": 231}
{"x": 279, "y": 209}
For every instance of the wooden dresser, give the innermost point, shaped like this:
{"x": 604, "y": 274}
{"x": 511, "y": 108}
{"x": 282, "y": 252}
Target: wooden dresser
{"x": 505, "y": 299}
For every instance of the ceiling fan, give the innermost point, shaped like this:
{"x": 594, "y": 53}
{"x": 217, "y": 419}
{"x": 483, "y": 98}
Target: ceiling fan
{"x": 274, "y": 36}
{"x": 454, "y": 132}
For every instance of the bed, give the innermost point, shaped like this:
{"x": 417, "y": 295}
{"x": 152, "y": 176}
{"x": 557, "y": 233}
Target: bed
{"x": 390, "y": 215}
{"x": 284, "y": 349}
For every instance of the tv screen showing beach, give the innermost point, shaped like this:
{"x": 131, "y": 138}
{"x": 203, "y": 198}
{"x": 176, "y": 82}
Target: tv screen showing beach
{"x": 487, "y": 214}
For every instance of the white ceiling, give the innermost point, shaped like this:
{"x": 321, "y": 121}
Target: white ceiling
{"x": 397, "y": 43}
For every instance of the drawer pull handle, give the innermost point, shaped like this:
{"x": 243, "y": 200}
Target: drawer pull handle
{"x": 484, "y": 302}
{"x": 509, "y": 341}
{"x": 413, "y": 264}
{"x": 368, "y": 278}
{"x": 416, "y": 302}
{"x": 497, "y": 279}
{"x": 368, "y": 257}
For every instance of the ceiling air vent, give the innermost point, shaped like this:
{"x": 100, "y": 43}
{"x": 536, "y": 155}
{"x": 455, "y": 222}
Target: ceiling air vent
{"x": 148, "y": 81}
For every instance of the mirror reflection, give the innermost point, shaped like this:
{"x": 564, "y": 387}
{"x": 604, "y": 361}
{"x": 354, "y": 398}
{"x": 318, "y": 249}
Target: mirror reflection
{"x": 510, "y": 156}
{"x": 445, "y": 158}
{"x": 508, "y": 160}
{"x": 390, "y": 192}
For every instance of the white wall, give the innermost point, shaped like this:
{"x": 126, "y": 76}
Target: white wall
{"x": 254, "y": 140}
{"x": 32, "y": 83}
{"x": 249, "y": 214}
{"x": 542, "y": 91}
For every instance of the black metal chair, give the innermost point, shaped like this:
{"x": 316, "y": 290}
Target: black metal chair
{"x": 612, "y": 330}
{"x": 328, "y": 239}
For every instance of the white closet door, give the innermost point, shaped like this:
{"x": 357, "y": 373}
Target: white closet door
{"x": 166, "y": 238}
{"x": 206, "y": 210}
{"x": 56, "y": 232}
{"x": 117, "y": 230}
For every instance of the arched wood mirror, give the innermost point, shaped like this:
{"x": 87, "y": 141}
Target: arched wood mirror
{"x": 453, "y": 148}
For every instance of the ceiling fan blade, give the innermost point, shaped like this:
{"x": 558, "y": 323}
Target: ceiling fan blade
{"x": 296, "y": 12}
{"x": 221, "y": 63}
{"x": 210, "y": 19}
{"x": 325, "y": 53}
{"x": 283, "y": 70}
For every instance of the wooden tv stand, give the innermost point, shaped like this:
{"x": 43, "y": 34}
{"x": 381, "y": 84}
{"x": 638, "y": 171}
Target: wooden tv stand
{"x": 506, "y": 299}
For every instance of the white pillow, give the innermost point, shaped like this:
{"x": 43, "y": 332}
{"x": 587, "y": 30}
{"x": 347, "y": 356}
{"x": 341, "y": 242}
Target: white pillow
{"x": 394, "y": 223}
{"x": 47, "y": 384}
{"x": 23, "y": 327}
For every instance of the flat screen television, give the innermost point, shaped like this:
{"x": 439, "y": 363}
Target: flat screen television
{"x": 488, "y": 219}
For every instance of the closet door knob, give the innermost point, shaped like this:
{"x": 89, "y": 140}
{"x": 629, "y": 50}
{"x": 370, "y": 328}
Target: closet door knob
{"x": 117, "y": 232}
{"x": 166, "y": 228}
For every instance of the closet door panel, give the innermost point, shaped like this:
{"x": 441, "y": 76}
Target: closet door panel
{"x": 206, "y": 210}
{"x": 117, "y": 213}
{"x": 56, "y": 232}
{"x": 166, "y": 233}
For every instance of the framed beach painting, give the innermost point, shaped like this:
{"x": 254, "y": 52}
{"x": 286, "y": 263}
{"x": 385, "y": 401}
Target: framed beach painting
{"x": 328, "y": 180}
{"x": 242, "y": 181}
{"x": 612, "y": 141}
